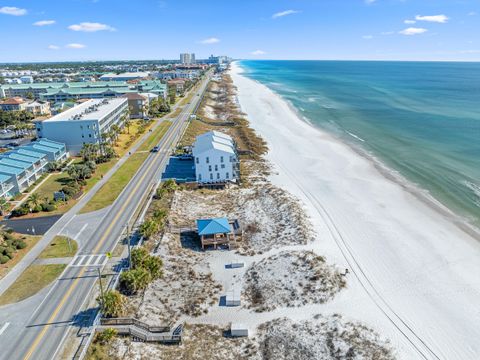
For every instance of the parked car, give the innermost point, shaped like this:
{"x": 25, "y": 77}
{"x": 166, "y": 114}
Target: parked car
{"x": 185, "y": 157}
{"x": 155, "y": 149}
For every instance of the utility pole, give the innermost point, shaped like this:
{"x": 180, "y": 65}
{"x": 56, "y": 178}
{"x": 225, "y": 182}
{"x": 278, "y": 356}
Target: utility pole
{"x": 128, "y": 245}
{"x": 101, "y": 286}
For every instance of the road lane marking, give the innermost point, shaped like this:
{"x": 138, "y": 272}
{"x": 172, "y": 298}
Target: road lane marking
{"x": 4, "y": 327}
{"x": 89, "y": 260}
{"x": 81, "y": 230}
{"x": 100, "y": 243}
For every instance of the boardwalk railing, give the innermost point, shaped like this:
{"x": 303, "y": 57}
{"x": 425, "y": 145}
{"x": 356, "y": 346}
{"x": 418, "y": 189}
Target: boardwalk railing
{"x": 141, "y": 331}
{"x": 134, "y": 322}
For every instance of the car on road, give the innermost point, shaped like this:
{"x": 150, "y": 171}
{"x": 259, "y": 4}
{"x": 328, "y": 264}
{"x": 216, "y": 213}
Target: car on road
{"x": 155, "y": 149}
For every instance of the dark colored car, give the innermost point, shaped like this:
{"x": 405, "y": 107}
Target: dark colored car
{"x": 155, "y": 149}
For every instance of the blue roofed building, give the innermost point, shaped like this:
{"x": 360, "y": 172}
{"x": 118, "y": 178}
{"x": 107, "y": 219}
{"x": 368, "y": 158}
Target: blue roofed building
{"x": 20, "y": 168}
{"x": 218, "y": 231}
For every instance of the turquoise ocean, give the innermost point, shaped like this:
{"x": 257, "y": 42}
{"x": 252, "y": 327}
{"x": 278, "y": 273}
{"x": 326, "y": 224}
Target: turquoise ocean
{"x": 421, "y": 119}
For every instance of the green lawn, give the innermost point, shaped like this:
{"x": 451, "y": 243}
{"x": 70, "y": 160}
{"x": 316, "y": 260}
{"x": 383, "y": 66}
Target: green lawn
{"x": 107, "y": 194}
{"x": 55, "y": 182}
{"x": 32, "y": 280}
{"x": 59, "y": 248}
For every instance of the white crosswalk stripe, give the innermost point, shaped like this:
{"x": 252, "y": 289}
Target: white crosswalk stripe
{"x": 89, "y": 260}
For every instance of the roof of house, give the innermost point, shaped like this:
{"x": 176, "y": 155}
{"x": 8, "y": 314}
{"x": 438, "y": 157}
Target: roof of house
{"x": 213, "y": 226}
{"x": 213, "y": 140}
{"x": 13, "y": 101}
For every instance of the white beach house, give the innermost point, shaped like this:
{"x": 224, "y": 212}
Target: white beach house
{"x": 216, "y": 158}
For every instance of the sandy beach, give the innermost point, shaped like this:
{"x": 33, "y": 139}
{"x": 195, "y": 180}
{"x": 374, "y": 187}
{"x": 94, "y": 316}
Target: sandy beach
{"x": 414, "y": 275}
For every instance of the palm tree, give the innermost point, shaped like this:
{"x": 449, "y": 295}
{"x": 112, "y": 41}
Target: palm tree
{"x": 112, "y": 303}
{"x": 33, "y": 200}
{"x": 4, "y": 206}
{"x": 73, "y": 173}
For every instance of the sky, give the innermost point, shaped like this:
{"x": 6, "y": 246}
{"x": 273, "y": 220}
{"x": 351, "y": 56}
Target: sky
{"x": 53, "y": 30}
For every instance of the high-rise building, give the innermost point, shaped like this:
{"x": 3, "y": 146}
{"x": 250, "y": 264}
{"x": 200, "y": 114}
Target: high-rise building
{"x": 187, "y": 58}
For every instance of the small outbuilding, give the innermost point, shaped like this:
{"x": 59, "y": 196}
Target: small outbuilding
{"x": 218, "y": 231}
{"x": 238, "y": 330}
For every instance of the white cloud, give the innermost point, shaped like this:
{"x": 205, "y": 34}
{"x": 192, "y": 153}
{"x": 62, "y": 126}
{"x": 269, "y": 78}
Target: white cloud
{"x": 258, "y": 52}
{"x": 12, "y": 10}
{"x": 284, "y": 13}
{"x": 367, "y": 37}
{"x": 387, "y": 33}
{"x": 432, "y": 18}
{"x": 53, "y": 47}
{"x": 212, "y": 40}
{"x": 91, "y": 27}
{"x": 409, "y": 22}
{"x": 44, "y": 22}
{"x": 413, "y": 31}
{"x": 369, "y": 2}
{"x": 472, "y": 13}
{"x": 75, "y": 46}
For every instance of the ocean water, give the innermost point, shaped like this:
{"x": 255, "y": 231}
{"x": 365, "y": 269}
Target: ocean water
{"x": 421, "y": 119}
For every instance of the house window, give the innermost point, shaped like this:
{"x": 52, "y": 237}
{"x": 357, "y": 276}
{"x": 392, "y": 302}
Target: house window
{"x": 211, "y": 176}
{"x": 81, "y": 127}
{"x": 218, "y": 175}
{"x": 222, "y": 166}
{"x": 83, "y": 136}
{"x": 227, "y": 176}
{"x": 216, "y": 167}
{"x": 209, "y": 167}
{"x": 207, "y": 159}
{"x": 199, "y": 177}
{"x": 221, "y": 159}
{"x": 197, "y": 160}
{"x": 89, "y": 135}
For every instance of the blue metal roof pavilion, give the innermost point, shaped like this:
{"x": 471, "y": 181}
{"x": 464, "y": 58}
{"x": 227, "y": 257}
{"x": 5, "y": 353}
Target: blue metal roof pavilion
{"x": 213, "y": 226}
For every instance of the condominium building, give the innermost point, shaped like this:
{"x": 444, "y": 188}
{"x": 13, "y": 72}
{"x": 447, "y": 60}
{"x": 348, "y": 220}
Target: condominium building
{"x": 84, "y": 123}
{"x": 58, "y": 92}
{"x": 21, "y": 167}
{"x": 187, "y": 58}
{"x": 216, "y": 158}
{"x": 126, "y": 76}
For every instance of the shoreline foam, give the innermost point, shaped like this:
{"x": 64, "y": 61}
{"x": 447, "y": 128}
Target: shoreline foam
{"x": 414, "y": 264}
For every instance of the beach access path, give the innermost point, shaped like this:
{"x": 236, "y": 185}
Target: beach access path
{"x": 414, "y": 274}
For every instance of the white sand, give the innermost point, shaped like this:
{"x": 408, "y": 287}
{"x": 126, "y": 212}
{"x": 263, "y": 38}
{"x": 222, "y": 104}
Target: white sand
{"x": 415, "y": 277}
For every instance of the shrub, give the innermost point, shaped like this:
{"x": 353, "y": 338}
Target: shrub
{"x": 37, "y": 209}
{"x": 20, "y": 211}
{"x": 4, "y": 259}
{"x": 9, "y": 251}
{"x": 48, "y": 207}
{"x": 106, "y": 336}
{"x": 20, "y": 244}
